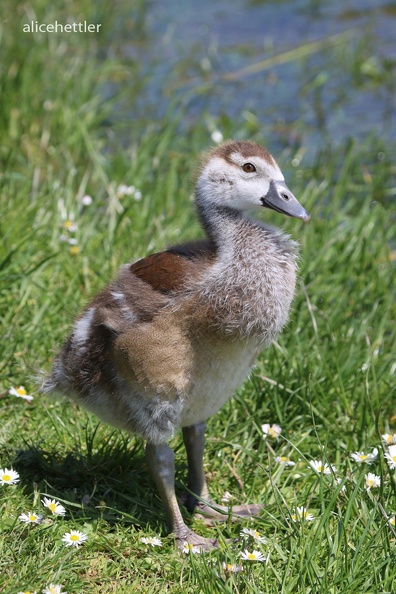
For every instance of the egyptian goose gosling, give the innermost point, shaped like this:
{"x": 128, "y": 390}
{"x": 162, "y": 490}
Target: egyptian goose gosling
{"x": 168, "y": 342}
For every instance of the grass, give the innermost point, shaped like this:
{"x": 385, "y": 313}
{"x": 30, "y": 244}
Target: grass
{"x": 328, "y": 381}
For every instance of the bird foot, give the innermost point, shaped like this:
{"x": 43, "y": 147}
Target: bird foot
{"x": 212, "y": 513}
{"x": 189, "y": 540}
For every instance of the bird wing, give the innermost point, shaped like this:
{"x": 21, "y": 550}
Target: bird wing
{"x": 167, "y": 271}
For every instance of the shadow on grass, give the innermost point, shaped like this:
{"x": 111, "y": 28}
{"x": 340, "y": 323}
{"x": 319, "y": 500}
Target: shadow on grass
{"x": 112, "y": 483}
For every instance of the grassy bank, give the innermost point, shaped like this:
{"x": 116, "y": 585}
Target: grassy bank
{"x": 328, "y": 381}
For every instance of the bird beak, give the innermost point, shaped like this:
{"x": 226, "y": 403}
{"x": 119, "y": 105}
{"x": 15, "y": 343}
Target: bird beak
{"x": 280, "y": 198}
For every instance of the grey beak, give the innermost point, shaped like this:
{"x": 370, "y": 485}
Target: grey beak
{"x": 280, "y": 198}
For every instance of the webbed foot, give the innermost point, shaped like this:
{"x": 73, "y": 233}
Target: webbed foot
{"x": 212, "y": 513}
{"x": 187, "y": 539}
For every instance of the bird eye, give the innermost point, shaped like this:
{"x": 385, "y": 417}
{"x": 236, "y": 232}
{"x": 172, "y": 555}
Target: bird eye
{"x": 248, "y": 168}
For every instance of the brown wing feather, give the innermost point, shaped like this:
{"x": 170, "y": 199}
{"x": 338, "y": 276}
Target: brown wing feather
{"x": 167, "y": 271}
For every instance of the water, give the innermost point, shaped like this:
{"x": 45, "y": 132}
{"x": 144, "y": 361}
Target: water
{"x": 199, "y": 54}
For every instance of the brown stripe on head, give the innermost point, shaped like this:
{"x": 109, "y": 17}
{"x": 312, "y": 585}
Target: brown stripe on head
{"x": 246, "y": 148}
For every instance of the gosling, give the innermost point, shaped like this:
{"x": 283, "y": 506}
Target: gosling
{"x": 167, "y": 343}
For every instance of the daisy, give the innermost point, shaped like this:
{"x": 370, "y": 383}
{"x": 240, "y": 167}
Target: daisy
{"x": 271, "y": 430}
{"x": 302, "y": 513}
{"x": 217, "y": 136}
{"x": 53, "y": 589}
{"x": 338, "y": 482}
{"x": 360, "y": 457}
{"x": 253, "y": 556}
{"x": 392, "y": 521}
{"x": 56, "y": 508}
{"x": 151, "y": 540}
{"x": 8, "y": 476}
{"x": 232, "y": 568}
{"x": 70, "y": 226}
{"x": 321, "y": 467}
{"x": 372, "y": 481}
{"x": 284, "y": 460}
{"x": 254, "y": 534}
{"x": 226, "y": 497}
{"x": 20, "y": 393}
{"x": 389, "y": 439}
{"x": 27, "y": 592}
{"x": 74, "y": 538}
{"x": 188, "y": 547}
{"x": 391, "y": 456}
{"x": 86, "y": 200}
{"x": 30, "y": 518}
{"x": 124, "y": 190}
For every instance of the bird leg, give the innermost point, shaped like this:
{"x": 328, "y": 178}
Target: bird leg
{"x": 197, "y": 497}
{"x": 161, "y": 461}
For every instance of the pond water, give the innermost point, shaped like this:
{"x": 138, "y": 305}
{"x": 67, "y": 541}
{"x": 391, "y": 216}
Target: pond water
{"x": 305, "y": 71}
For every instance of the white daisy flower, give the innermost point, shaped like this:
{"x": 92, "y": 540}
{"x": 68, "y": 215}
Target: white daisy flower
{"x": 361, "y": 457}
{"x": 284, "y": 460}
{"x": 30, "y": 518}
{"x": 124, "y": 190}
{"x": 230, "y": 568}
{"x": 188, "y": 547}
{"x": 151, "y": 540}
{"x": 338, "y": 482}
{"x": 54, "y": 506}
{"x": 372, "y": 481}
{"x": 321, "y": 467}
{"x": 389, "y": 439}
{"x": 254, "y": 534}
{"x": 270, "y": 430}
{"x": 86, "y": 200}
{"x": 70, "y": 226}
{"x": 217, "y": 136}
{"x": 391, "y": 456}
{"x": 301, "y": 513}
{"x": 53, "y": 589}
{"x": 253, "y": 556}
{"x": 137, "y": 195}
{"x": 74, "y": 538}
{"x": 226, "y": 497}
{"x": 8, "y": 476}
{"x": 21, "y": 393}
{"x": 392, "y": 521}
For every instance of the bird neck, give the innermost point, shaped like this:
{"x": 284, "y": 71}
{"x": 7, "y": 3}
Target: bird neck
{"x": 219, "y": 222}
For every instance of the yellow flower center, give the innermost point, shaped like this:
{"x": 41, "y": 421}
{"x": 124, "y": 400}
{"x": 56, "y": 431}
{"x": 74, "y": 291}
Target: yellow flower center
{"x": 394, "y": 458}
{"x": 283, "y": 459}
{"x": 6, "y": 477}
{"x": 32, "y": 518}
{"x": 256, "y": 534}
{"x": 272, "y": 432}
{"x": 68, "y": 224}
{"x": 74, "y": 537}
{"x": 21, "y": 391}
{"x": 52, "y": 507}
{"x": 362, "y": 456}
{"x": 74, "y": 250}
{"x": 251, "y": 556}
{"x": 393, "y": 522}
